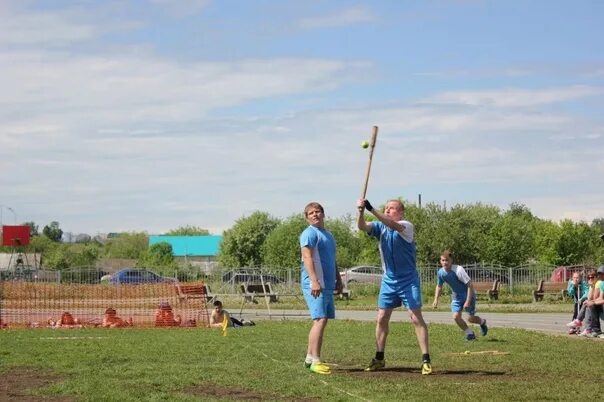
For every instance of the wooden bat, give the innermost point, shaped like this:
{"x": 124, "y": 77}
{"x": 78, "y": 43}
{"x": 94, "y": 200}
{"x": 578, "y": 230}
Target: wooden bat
{"x": 371, "y": 147}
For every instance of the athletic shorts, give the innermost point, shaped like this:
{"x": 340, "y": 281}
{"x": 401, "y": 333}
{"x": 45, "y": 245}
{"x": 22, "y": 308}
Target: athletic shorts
{"x": 393, "y": 295}
{"x": 458, "y": 302}
{"x": 322, "y": 306}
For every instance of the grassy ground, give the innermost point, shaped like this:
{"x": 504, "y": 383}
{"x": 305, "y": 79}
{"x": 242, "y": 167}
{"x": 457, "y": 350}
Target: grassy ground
{"x": 265, "y": 363}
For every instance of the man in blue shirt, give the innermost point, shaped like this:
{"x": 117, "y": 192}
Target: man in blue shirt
{"x": 400, "y": 281}
{"x": 319, "y": 279}
{"x": 463, "y": 295}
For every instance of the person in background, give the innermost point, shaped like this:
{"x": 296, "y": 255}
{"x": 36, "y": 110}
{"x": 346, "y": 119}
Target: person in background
{"x": 579, "y": 290}
{"x": 463, "y": 296}
{"x": 596, "y": 306}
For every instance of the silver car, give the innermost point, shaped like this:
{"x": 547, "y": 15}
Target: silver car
{"x": 362, "y": 274}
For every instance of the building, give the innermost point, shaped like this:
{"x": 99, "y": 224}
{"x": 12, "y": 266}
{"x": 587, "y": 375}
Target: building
{"x": 200, "y": 251}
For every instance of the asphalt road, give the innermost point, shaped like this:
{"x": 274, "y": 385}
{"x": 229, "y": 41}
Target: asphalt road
{"x": 554, "y": 323}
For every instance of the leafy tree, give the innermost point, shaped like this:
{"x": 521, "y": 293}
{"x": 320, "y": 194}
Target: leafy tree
{"x": 40, "y": 244}
{"x": 33, "y": 229}
{"x": 53, "y": 231}
{"x": 547, "y": 237}
{"x": 281, "y": 249}
{"x": 127, "y": 245}
{"x": 159, "y": 256}
{"x": 512, "y": 239}
{"x": 188, "y": 231}
{"x": 599, "y": 224}
{"x": 348, "y": 245}
{"x": 578, "y": 243}
{"x": 241, "y": 245}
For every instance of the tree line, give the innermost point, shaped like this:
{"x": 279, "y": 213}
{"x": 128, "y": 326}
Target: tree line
{"x": 473, "y": 232}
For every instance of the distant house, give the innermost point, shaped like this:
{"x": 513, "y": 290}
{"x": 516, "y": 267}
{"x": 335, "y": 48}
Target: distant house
{"x": 197, "y": 250}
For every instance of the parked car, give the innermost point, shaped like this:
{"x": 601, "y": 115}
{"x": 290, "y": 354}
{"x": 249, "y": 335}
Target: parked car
{"x": 362, "y": 274}
{"x": 138, "y": 275}
{"x": 235, "y": 277}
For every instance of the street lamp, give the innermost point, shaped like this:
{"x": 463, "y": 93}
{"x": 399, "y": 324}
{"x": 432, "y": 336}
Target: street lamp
{"x": 10, "y": 209}
{"x": 14, "y": 214}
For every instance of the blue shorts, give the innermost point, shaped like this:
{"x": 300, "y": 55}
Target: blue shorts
{"x": 393, "y": 295}
{"x": 458, "y": 302}
{"x": 322, "y": 306}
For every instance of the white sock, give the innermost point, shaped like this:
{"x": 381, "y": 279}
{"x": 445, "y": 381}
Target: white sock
{"x": 316, "y": 359}
{"x": 308, "y": 359}
{"x": 469, "y": 331}
{"x": 483, "y": 321}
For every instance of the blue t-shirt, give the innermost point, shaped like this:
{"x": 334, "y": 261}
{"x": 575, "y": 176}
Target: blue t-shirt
{"x": 397, "y": 251}
{"x": 457, "y": 278}
{"x": 323, "y": 247}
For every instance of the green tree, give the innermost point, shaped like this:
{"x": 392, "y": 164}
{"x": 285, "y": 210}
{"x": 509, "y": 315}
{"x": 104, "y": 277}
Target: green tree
{"x": 578, "y": 243}
{"x": 127, "y": 245}
{"x": 512, "y": 238}
{"x": 33, "y": 229}
{"x": 241, "y": 245}
{"x": 188, "y": 231}
{"x": 53, "y": 231}
{"x": 281, "y": 249}
{"x": 547, "y": 237}
{"x": 348, "y": 245}
{"x": 159, "y": 257}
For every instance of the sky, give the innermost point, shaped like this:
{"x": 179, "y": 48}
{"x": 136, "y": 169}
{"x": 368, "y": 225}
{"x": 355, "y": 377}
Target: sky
{"x": 150, "y": 115}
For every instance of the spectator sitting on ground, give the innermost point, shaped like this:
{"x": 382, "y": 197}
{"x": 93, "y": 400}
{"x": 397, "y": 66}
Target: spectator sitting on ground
{"x": 111, "y": 320}
{"x": 66, "y": 321}
{"x": 164, "y": 317}
{"x": 219, "y": 316}
{"x": 578, "y": 289}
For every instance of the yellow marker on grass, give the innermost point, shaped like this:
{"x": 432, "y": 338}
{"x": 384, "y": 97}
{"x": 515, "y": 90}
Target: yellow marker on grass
{"x": 225, "y": 325}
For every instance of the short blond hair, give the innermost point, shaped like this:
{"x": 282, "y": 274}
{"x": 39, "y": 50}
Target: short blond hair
{"x": 312, "y": 205}
{"x": 401, "y": 206}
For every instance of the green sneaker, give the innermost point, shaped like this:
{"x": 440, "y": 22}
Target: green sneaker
{"x": 376, "y": 365}
{"x": 320, "y": 368}
{"x": 426, "y": 368}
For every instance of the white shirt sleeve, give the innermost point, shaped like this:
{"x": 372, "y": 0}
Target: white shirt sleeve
{"x": 462, "y": 275}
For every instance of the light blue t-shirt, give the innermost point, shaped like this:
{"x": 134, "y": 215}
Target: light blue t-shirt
{"x": 457, "y": 278}
{"x": 397, "y": 251}
{"x": 323, "y": 246}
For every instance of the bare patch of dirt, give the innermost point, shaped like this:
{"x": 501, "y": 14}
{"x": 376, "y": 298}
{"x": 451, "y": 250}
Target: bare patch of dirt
{"x": 240, "y": 394}
{"x": 17, "y": 384}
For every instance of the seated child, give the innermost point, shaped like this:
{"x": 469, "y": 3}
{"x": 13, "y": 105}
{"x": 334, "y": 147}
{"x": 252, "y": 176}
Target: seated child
{"x": 164, "y": 317}
{"x": 111, "y": 320}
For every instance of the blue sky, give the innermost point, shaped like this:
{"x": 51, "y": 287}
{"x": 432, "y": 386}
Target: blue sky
{"x": 150, "y": 115}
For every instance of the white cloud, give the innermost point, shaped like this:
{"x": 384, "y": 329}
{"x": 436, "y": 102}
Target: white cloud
{"x": 346, "y": 17}
{"x": 517, "y": 97}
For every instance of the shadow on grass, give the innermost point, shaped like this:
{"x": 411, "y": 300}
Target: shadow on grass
{"x": 415, "y": 371}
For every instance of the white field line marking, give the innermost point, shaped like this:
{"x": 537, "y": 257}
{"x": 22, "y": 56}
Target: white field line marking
{"x": 322, "y": 381}
{"x": 73, "y": 337}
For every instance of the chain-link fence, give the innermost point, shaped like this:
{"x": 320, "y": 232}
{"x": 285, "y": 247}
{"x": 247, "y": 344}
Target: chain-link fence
{"x": 35, "y": 297}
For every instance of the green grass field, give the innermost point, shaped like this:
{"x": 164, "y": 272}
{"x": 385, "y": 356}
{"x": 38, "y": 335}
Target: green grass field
{"x": 265, "y": 363}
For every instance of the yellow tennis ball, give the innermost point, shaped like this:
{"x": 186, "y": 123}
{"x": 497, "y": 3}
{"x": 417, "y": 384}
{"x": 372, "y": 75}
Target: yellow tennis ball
{"x": 467, "y": 352}
{"x": 365, "y": 144}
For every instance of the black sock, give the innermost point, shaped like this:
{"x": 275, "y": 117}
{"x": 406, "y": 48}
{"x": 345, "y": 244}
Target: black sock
{"x": 379, "y": 355}
{"x": 426, "y": 357}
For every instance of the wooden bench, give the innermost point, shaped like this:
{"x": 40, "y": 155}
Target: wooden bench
{"x": 491, "y": 289}
{"x": 252, "y": 291}
{"x": 552, "y": 288}
{"x": 194, "y": 291}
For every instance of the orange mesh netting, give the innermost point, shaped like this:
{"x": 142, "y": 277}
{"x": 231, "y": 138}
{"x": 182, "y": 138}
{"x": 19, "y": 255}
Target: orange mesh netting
{"x": 35, "y": 304}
